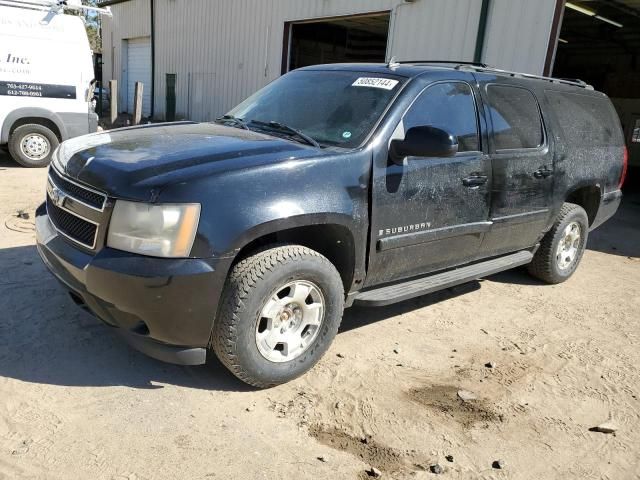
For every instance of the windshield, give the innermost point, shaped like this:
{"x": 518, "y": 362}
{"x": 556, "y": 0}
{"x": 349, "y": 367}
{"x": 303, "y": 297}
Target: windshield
{"x": 334, "y": 108}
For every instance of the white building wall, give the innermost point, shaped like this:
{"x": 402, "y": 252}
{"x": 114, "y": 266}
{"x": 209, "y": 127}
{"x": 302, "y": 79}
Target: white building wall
{"x": 224, "y": 50}
{"x": 130, "y": 20}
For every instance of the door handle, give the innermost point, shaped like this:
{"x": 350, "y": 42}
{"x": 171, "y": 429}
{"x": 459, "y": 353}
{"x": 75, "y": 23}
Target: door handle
{"x": 474, "y": 180}
{"x": 543, "y": 172}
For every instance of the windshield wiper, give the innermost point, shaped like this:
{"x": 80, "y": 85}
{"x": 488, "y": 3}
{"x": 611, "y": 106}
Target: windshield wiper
{"x": 235, "y": 121}
{"x": 277, "y": 126}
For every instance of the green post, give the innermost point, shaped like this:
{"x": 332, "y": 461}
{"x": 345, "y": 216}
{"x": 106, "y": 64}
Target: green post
{"x": 170, "y": 100}
{"x": 482, "y": 30}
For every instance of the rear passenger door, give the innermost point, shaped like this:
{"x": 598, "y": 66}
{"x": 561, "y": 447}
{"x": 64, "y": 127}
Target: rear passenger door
{"x": 523, "y": 168}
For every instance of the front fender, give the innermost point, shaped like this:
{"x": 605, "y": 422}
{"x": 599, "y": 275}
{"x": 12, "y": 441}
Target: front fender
{"x": 241, "y": 206}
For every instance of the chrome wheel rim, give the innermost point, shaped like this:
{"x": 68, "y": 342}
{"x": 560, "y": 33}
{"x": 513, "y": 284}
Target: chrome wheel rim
{"x": 569, "y": 246}
{"x": 290, "y": 321}
{"x": 35, "y": 146}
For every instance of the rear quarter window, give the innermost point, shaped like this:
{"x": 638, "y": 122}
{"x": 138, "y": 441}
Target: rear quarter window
{"x": 586, "y": 120}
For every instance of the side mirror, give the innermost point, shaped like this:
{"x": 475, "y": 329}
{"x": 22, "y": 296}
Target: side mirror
{"x": 424, "y": 141}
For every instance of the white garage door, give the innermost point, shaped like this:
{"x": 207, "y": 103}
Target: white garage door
{"x": 139, "y": 70}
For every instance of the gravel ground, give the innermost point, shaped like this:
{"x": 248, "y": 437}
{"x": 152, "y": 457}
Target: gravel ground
{"x": 77, "y": 403}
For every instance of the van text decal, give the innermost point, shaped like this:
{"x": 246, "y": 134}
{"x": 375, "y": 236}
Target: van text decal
{"x": 10, "y": 58}
{"x": 40, "y": 90}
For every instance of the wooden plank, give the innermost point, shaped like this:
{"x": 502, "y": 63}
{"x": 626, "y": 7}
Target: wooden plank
{"x": 113, "y": 104}
{"x": 137, "y": 103}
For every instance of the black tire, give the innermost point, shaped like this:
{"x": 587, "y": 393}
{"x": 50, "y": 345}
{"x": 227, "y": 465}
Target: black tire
{"x": 545, "y": 265}
{"x": 20, "y": 133}
{"x": 249, "y": 285}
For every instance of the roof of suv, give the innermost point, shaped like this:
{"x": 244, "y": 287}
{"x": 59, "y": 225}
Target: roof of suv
{"x": 415, "y": 68}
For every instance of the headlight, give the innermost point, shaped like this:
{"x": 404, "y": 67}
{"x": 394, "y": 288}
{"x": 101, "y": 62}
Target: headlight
{"x": 165, "y": 230}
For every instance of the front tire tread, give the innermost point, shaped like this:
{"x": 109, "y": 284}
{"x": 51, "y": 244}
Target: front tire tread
{"x": 244, "y": 276}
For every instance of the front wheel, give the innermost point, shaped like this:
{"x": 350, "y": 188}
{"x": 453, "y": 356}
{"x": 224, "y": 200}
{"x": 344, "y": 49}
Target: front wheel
{"x": 280, "y": 311}
{"x": 32, "y": 145}
{"x": 562, "y": 247}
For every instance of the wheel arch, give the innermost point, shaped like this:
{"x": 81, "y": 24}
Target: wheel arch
{"x": 331, "y": 238}
{"x": 588, "y": 197}
{"x": 24, "y": 116}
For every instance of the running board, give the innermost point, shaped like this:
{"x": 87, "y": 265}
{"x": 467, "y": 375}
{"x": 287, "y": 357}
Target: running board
{"x": 425, "y": 285}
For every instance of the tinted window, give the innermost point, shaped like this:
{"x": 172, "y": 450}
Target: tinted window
{"x": 451, "y": 107}
{"x": 587, "y": 121}
{"x": 516, "y": 118}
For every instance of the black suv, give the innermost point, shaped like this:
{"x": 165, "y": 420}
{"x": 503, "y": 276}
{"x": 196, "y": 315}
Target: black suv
{"x": 333, "y": 185}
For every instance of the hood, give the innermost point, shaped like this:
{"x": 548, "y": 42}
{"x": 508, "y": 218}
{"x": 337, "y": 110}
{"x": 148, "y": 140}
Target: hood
{"x": 136, "y": 162}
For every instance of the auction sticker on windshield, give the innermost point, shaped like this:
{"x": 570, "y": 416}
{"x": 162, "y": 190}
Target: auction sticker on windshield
{"x": 384, "y": 83}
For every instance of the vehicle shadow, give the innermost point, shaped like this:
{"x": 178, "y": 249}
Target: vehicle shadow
{"x": 621, "y": 234}
{"x": 517, "y": 276}
{"x": 45, "y": 338}
{"x": 358, "y": 317}
{"x": 6, "y": 161}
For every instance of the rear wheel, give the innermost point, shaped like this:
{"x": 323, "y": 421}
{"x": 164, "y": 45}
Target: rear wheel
{"x": 32, "y": 145}
{"x": 280, "y": 311}
{"x": 562, "y": 247}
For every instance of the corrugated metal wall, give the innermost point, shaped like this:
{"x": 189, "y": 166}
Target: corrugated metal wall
{"x": 224, "y": 50}
{"x": 518, "y": 34}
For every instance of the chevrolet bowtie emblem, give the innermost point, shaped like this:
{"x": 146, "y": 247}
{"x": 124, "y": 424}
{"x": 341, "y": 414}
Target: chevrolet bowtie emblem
{"x": 57, "y": 196}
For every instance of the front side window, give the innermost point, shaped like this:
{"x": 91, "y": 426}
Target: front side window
{"x": 516, "y": 118}
{"x": 450, "y": 107}
{"x": 334, "y": 108}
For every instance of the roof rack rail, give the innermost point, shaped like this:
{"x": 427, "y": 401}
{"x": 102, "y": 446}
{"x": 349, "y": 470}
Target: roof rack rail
{"x": 483, "y": 67}
{"x": 54, "y": 5}
{"x": 564, "y": 81}
{"x": 573, "y": 80}
{"x": 446, "y": 62}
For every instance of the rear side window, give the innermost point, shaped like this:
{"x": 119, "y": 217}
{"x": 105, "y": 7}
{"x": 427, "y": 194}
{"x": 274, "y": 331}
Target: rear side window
{"x": 586, "y": 121}
{"x": 516, "y": 118}
{"x": 451, "y": 107}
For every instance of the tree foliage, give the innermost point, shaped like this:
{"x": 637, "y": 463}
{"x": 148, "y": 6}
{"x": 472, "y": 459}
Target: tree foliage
{"x": 92, "y": 25}
{"x": 95, "y": 39}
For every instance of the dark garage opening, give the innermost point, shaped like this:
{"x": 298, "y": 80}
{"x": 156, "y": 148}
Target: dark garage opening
{"x": 361, "y": 38}
{"x": 600, "y": 44}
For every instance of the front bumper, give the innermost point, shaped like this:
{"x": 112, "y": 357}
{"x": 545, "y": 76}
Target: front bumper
{"x": 163, "y": 307}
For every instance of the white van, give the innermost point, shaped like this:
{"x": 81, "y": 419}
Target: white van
{"x": 46, "y": 76}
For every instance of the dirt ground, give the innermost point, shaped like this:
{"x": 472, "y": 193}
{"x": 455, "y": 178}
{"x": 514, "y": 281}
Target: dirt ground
{"x": 77, "y": 403}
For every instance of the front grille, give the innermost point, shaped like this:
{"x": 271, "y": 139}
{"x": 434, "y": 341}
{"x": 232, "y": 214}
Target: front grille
{"x": 72, "y": 226}
{"x": 89, "y": 197}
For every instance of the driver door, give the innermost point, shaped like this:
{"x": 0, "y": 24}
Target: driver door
{"x": 431, "y": 213}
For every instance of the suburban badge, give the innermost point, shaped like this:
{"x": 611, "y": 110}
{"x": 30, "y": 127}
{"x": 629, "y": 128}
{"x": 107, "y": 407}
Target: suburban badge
{"x": 414, "y": 227}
